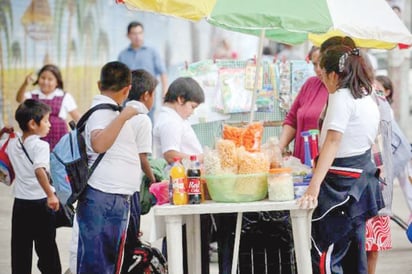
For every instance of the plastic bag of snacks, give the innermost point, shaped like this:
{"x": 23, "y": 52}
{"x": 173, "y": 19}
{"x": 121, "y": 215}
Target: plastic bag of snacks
{"x": 250, "y": 136}
{"x": 272, "y": 151}
{"x": 211, "y": 161}
{"x": 228, "y": 156}
{"x": 251, "y": 163}
{"x": 233, "y": 134}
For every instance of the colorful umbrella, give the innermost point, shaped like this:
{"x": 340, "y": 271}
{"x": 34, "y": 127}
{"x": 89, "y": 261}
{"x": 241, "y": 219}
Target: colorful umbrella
{"x": 371, "y": 22}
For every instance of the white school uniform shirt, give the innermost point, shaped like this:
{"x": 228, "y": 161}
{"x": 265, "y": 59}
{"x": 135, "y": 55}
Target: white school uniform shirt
{"x": 25, "y": 184}
{"x": 119, "y": 172}
{"x": 356, "y": 119}
{"x": 68, "y": 103}
{"x": 144, "y": 129}
{"x": 172, "y": 132}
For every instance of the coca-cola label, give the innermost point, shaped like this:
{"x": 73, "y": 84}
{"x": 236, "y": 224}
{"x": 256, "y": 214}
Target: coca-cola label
{"x": 193, "y": 185}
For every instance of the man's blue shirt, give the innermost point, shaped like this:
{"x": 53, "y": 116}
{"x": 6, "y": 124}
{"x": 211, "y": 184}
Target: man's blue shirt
{"x": 144, "y": 57}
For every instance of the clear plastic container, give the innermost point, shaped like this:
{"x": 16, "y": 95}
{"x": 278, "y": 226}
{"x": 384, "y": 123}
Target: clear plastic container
{"x": 280, "y": 184}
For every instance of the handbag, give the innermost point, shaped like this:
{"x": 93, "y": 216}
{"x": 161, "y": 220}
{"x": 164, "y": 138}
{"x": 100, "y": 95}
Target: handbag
{"x": 65, "y": 215}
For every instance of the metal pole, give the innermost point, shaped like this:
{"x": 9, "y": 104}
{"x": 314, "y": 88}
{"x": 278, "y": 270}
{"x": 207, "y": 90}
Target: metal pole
{"x": 256, "y": 88}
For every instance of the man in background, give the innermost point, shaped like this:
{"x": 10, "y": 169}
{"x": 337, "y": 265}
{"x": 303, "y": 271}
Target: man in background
{"x": 139, "y": 56}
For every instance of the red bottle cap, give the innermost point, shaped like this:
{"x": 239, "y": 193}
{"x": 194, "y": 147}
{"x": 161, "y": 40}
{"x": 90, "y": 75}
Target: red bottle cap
{"x": 192, "y": 157}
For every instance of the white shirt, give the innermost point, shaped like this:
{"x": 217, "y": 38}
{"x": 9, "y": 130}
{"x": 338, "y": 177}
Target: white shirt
{"x": 25, "y": 185}
{"x": 172, "y": 132}
{"x": 144, "y": 129}
{"x": 356, "y": 119}
{"x": 119, "y": 171}
{"x": 68, "y": 103}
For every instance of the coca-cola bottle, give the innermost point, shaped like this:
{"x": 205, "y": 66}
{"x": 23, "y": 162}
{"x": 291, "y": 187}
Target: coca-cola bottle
{"x": 193, "y": 180}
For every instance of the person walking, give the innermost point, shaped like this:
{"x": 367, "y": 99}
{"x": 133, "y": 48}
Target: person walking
{"x": 50, "y": 92}
{"x": 140, "y": 56}
{"x": 35, "y": 203}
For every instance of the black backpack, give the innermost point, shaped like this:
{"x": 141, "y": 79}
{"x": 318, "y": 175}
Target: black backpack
{"x": 144, "y": 258}
{"x": 69, "y": 167}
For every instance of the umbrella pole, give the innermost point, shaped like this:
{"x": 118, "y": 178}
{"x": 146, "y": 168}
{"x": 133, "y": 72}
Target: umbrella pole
{"x": 256, "y": 89}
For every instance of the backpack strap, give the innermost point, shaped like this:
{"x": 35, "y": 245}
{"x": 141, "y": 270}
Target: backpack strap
{"x": 25, "y": 151}
{"x": 82, "y": 123}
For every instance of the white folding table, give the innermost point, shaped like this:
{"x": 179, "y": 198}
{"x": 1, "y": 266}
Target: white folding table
{"x": 175, "y": 216}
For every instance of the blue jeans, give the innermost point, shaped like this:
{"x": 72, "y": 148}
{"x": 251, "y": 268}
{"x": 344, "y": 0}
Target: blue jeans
{"x": 103, "y": 220}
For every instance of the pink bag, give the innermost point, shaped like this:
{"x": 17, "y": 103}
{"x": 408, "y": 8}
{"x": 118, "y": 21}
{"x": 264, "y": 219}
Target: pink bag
{"x": 161, "y": 191}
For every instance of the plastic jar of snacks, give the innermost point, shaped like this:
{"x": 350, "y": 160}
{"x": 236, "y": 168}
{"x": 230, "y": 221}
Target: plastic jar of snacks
{"x": 280, "y": 184}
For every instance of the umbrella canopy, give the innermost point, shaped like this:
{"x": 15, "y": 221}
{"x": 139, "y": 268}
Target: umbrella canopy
{"x": 372, "y": 23}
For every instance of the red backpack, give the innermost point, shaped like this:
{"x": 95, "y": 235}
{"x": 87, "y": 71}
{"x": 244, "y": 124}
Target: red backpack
{"x": 6, "y": 169}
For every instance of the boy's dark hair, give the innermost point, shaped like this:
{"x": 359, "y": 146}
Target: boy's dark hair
{"x": 186, "y": 88}
{"x": 30, "y": 110}
{"x": 142, "y": 81}
{"x": 114, "y": 76}
{"x": 134, "y": 24}
{"x": 56, "y": 72}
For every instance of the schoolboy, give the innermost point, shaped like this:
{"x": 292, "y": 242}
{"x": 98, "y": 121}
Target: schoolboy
{"x": 141, "y": 96}
{"x": 103, "y": 209}
{"x": 33, "y": 218}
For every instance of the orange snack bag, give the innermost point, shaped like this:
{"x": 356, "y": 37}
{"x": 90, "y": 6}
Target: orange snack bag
{"x": 252, "y": 137}
{"x": 233, "y": 133}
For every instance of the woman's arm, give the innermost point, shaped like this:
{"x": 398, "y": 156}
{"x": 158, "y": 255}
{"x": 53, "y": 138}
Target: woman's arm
{"x": 287, "y": 135}
{"x": 326, "y": 156}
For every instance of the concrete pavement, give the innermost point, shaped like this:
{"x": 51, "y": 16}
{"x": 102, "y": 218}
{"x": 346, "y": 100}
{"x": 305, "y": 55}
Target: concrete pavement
{"x": 398, "y": 260}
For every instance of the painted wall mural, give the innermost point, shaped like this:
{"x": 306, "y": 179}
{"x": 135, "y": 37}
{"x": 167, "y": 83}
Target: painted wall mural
{"x": 80, "y": 36}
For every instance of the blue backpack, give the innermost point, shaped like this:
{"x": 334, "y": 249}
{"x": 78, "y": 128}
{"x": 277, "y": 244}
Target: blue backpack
{"x": 69, "y": 169}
